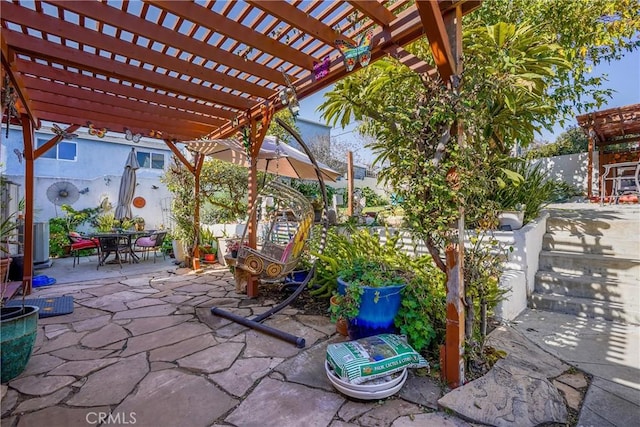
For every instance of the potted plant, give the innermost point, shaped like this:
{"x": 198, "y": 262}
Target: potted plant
{"x": 232, "y": 247}
{"x": 369, "y": 296}
{"x": 512, "y": 219}
{"x": 18, "y": 325}
{"x": 208, "y": 252}
{"x": 138, "y": 223}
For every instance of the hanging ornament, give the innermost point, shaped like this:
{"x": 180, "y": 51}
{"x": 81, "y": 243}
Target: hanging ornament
{"x": 9, "y": 98}
{"x": 64, "y": 134}
{"x": 130, "y": 136}
{"x": 321, "y": 69}
{"x": 100, "y": 133}
{"x": 354, "y": 54}
{"x": 289, "y": 97}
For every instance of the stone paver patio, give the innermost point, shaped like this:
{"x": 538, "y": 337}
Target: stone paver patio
{"x": 145, "y": 350}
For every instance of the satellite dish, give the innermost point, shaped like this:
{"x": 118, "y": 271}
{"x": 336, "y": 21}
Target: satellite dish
{"x": 63, "y": 193}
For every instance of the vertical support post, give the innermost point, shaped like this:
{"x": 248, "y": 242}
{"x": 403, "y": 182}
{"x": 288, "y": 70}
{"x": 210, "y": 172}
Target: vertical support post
{"x": 592, "y": 136}
{"x": 29, "y": 171}
{"x": 455, "y": 325}
{"x": 195, "y": 261}
{"x": 350, "y": 184}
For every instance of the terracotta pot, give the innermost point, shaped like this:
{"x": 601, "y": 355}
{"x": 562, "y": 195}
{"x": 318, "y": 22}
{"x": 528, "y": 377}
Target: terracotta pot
{"x": 4, "y": 268}
{"x": 210, "y": 257}
{"x": 342, "y": 326}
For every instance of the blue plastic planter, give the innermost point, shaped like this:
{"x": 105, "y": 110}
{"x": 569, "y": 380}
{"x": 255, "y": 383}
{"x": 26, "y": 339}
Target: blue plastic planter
{"x": 378, "y": 308}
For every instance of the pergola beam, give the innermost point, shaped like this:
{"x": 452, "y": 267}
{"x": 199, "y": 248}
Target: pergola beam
{"x": 374, "y": 10}
{"x": 436, "y": 33}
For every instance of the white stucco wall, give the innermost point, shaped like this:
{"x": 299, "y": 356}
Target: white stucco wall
{"x": 570, "y": 168}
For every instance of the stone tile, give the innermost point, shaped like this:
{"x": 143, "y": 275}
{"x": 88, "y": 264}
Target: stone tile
{"x": 424, "y": 391}
{"x": 261, "y": 345}
{"x": 194, "y": 288}
{"x": 136, "y": 282}
{"x": 307, "y": 367}
{"x": 212, "y": 359}
{"x": 175, "y": 299}
{"x": 38, "y": 385}
{"x": 152, "y": 311}
{"x": 91, "y": 324}
{"x": 149, "y": 324}
{"x": 41, "y": 363}
{"x": 164, "y": 337}
{"x": 525, "y": 353}
{"x": 184, "y": 348}
{"x": 214, "y": 322}
{"x": 79, "y": 313}
{"x": 230, "y": 330}
{"x": 199, "y": 301}
{"x": 605, "y": 405}
{"x": 116, "y": 346}
{"x": 3, "y": 390}
{"x": 110, "y": 385}
{"x": 114, "y": 302}
{"x": 225, "y": 302}
{"x": 319, "y": 323}
{"x": 243, "y": 374}
{"x": 43, "y": 402}
{"x": 185, "y": 309}
{"x": 508, "y": 395}
{"x": 107, "y": 335}
{"x": 9, "y": 401}
{"x": 65, "y": 340}
{"x": 77, "y": 353}
{"x": 572, "y": 396}
{"x": 60, "y": 416}
{"x": 159, "y": 366}
{"x": 52, "y": 331}
{"x": 107, "y": 290}
{"x": 170, "y": 397}
{"x": 82, "y": 368}
{"x": 351, "y": 410}
{"x": 338, "y": 423}
{"x": 385, "y": 414}
{"x": 434, "y": 419}
{"x": 576, "y": 380}
{"x": 297, "y": 406}
{"x": 144, "y": 302}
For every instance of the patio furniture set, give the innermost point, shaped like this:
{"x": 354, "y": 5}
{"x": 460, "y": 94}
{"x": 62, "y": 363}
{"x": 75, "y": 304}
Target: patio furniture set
{"x": 123, "y": 244}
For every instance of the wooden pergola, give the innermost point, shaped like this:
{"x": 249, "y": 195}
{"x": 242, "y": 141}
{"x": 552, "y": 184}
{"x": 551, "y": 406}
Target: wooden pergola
{"x": 182, "y": 70}
{"x": 605, "y": 128}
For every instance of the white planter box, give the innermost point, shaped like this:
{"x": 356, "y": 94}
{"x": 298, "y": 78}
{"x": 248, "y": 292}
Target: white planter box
{"x": 513, "y": 219}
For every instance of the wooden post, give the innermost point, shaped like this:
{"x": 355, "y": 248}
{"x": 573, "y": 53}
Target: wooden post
{"x": 350, "y": 184}
{"x": 591, "y": 137}
{"x": 195, "y": 261}
{"x": 29, "y": 171}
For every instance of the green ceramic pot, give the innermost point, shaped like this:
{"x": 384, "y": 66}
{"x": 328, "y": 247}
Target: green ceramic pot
{"x": 18, "y": 330}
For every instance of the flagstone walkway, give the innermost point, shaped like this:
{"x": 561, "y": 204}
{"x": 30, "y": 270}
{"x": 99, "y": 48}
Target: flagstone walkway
{"x": 145, "y": 350}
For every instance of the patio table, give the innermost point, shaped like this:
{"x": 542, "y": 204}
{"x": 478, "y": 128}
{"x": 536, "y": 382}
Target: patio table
{"x": 128, "y": 236}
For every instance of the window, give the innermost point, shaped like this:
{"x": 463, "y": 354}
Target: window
{"x": 150, "y": 160}
{"x": 64, "y": 150}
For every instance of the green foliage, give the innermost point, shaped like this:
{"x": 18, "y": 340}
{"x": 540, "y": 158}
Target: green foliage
{"x": 590, "y": 32}
{"x": 7, "y": 228}
{"x": 373, "y": 198}
{"x": 58, "y": 230}
{"x": 60, "y": 227}
{"x": 180, "y": 181}
{"x": 533, "y": 192}
{"x": 365, "y": 272}
{"x": 278, "y": 131}
{"x": 571, "y": 141}
{"x": 107, "y": 222}
{"x": 224, "y": 187}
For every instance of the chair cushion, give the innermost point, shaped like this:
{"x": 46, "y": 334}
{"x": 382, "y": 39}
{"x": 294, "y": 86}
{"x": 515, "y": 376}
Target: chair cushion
{"x": 146, "y": 242}
{"x": 83, "y": 244}
{"x": 287, "y": 251}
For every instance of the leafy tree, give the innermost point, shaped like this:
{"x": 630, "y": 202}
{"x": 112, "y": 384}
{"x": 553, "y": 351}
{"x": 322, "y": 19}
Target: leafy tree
{"x": 224, "y": 186}
{"x": 590, "y": 32}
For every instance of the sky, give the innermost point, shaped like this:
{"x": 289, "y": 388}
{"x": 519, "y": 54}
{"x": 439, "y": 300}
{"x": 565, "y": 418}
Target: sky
{"x": 623, "y": 78}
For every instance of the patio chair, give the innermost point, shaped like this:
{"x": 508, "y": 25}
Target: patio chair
{"x": 80, "y": 242}
{"x": 119, "y": 245}
{"x": 153, "y": 241}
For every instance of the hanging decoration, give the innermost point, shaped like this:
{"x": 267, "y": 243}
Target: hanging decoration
{"x": 360, "y": 53}
{"x": 100, "y": 133}
{"x": 130, "y": 136}
{"x": 321, "y": 69}
{"x": 155, "y": 134}
{"x": 19, "y": 154}
{"x": 9, "y": 99}
{"x": 246, "y": 140}
{"x": 61, "y": 132}
{"x": 289, "y": 97}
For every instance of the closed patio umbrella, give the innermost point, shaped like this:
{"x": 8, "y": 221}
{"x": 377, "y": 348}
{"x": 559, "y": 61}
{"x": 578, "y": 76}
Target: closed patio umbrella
{"x": 127, "y": 187}
{"x": 274, "y": 157}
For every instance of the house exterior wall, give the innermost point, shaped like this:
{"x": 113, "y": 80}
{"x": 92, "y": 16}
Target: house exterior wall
{"x": 311, "y": 132}
{"x": 96, "y": 171}
{"x": 570, "y": 168}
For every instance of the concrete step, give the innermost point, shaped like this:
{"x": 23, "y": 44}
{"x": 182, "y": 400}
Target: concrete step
{"x": 569, "y": 241}
{"x": 584, "y": 307}
{"x": 588, "y": 287}
{"x": 603, "y": 225}
{"x": 622, "y": 269}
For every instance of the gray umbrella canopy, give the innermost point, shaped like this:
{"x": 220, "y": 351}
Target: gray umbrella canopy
{"x": 127, "y": 187}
